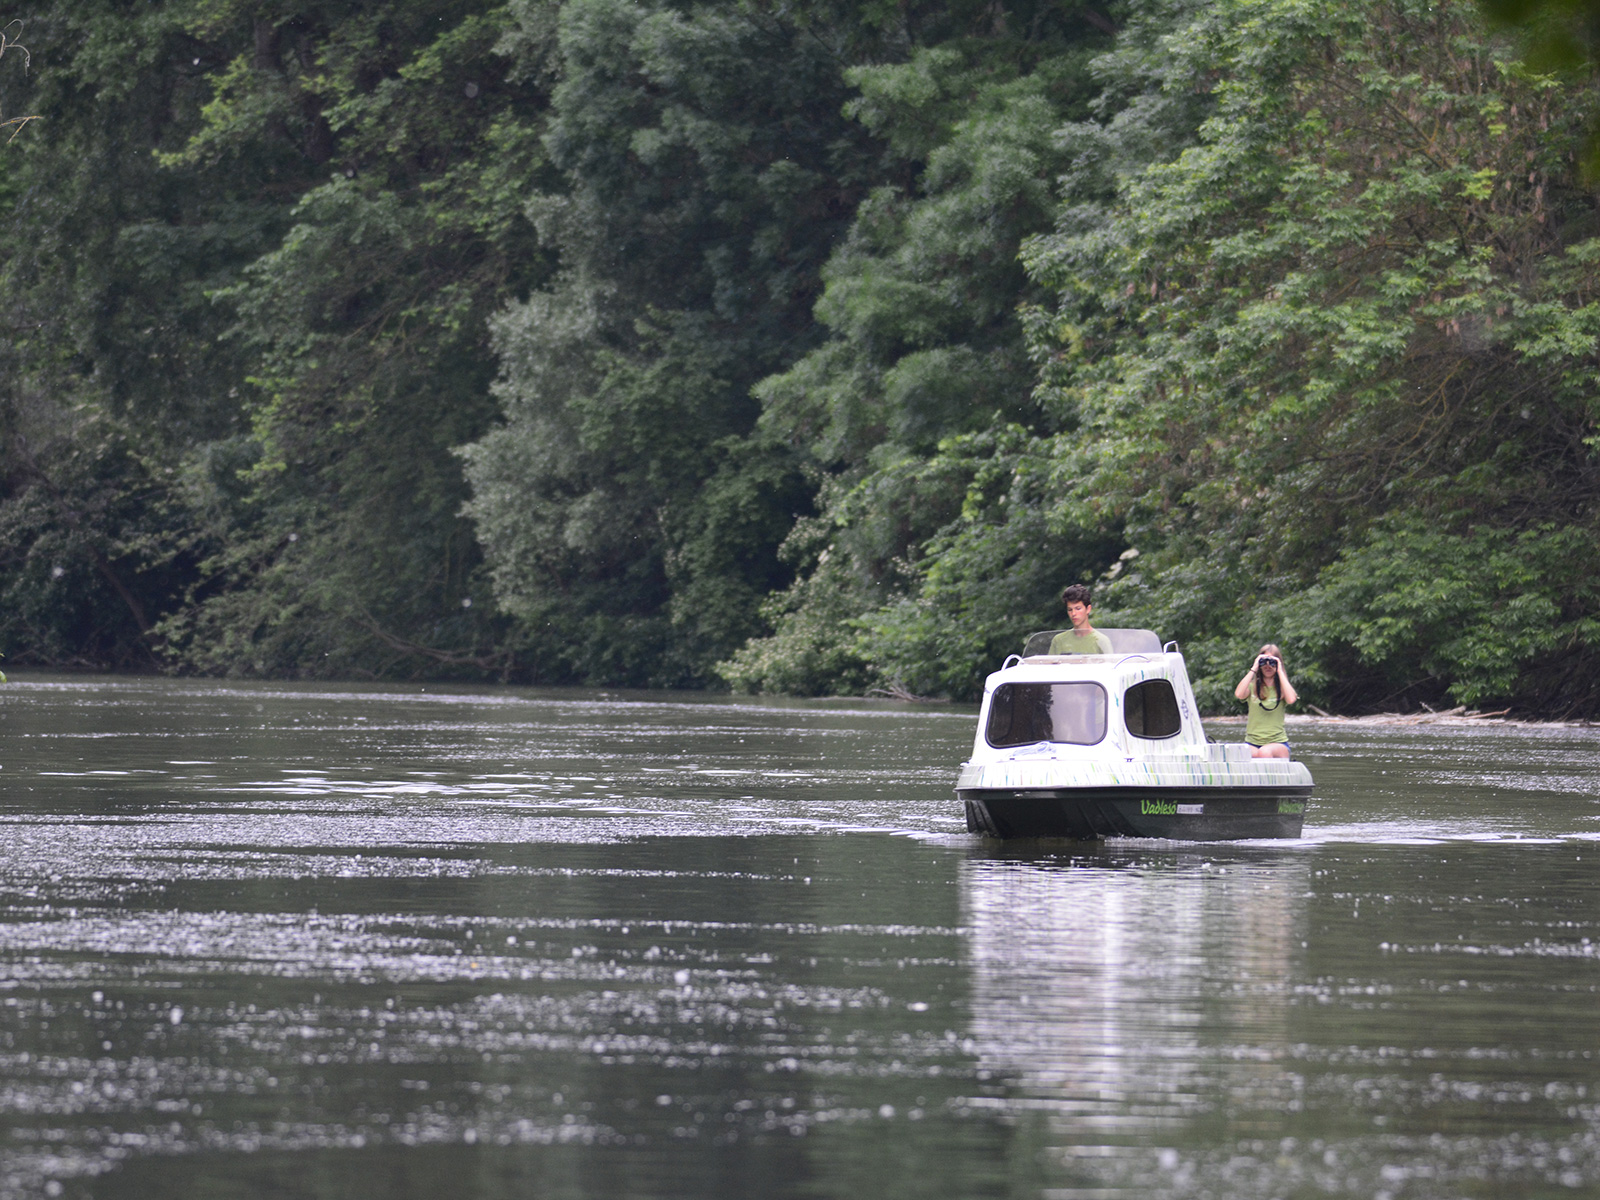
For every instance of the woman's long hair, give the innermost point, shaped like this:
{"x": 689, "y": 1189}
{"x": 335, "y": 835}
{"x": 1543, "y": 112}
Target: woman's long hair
{"x": 1277, "y": 675}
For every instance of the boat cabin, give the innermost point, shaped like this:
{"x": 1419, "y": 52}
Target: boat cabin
{"x": 1134, "y": 703}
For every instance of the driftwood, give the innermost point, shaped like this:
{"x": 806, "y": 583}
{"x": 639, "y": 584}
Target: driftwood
{"x": 1454, "y": 716}
{"x": 7, "y": 42}
{"x": 1459, "y": 713}
{"x": 895, "y": 690}
{"x": 1430, "y": 717}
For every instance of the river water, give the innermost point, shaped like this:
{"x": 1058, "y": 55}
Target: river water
{"x": 279, "y": 941}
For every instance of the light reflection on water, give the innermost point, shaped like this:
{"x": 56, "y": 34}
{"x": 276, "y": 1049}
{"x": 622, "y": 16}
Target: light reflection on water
{"x": 368, "y": 942}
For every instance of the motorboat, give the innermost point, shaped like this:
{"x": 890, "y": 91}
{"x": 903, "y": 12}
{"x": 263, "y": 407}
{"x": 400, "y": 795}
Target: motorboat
{"x": 1111, "y": 745}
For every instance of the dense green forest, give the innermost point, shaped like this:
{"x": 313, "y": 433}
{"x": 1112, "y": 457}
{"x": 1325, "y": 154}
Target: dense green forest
{"x": 800, "y": 346}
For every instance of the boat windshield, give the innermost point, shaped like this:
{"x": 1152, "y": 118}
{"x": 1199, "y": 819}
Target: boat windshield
{"x": 1023, "y": 713}
{"x": 1123, "y": 641}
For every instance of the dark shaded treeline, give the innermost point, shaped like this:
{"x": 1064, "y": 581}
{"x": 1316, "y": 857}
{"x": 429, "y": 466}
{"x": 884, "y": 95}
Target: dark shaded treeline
{"x": 798, "y": 346}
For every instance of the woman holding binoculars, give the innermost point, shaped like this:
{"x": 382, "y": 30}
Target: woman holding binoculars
{"x": 1266, "y": 688}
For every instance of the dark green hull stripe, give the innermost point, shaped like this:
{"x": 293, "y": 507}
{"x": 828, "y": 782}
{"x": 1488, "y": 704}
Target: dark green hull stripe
{"x": 1205, "y": 814}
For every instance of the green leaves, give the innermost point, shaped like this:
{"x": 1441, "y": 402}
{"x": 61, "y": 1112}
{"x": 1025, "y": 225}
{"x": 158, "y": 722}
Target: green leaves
{"x": 1346, "y": 312}
{"x": 1493, "y": 615}
{"x": 630, "y": 512}
{"x": 924, "y": 376}
{"x": 369, "y": 329}
{"x": 650, "y": 329}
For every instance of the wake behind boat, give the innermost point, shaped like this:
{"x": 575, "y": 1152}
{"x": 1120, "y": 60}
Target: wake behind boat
{"x": 1110, "y": 745}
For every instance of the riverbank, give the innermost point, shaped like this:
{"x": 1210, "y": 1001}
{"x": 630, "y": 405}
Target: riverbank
{"x": 1454, "y": 716}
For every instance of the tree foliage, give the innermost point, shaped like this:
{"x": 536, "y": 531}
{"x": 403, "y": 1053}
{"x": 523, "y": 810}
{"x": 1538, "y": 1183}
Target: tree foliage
{"x": 250, "y": 290}
{"x": 924, "y": 377}
{"x": 630, "y": 517}
{"x": 366, "y": 327}
{"x": 1336, "y": 361}
{"x": 803, "y": 346}
{"x": 114, "y": 362}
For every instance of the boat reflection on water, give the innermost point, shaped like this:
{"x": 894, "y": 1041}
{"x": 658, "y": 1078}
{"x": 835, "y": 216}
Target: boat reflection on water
{"x": 1130, "y": 1006}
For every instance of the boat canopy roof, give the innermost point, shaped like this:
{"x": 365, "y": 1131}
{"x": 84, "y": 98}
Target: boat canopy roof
{"x": 1123, "y": 641}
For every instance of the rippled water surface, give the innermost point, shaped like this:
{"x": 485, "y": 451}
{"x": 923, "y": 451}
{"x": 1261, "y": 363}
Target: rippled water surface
{"x": 267, "y": 941}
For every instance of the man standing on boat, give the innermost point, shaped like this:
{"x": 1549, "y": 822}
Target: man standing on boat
{"x": 1082, "y": 638}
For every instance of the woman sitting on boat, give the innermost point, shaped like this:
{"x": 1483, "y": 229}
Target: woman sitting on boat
{"x": 1266, "y": 688}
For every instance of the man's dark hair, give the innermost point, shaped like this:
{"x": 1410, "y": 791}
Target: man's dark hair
{"x": 1075, "y": 593}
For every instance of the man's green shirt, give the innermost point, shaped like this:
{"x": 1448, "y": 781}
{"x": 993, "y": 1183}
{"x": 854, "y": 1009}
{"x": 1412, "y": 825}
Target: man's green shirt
{"x": 1070, "y": 641}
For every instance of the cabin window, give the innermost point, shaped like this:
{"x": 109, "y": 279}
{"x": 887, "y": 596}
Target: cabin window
{"x": 1151, "y": 709}
{"x": 1023, "y": 713}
